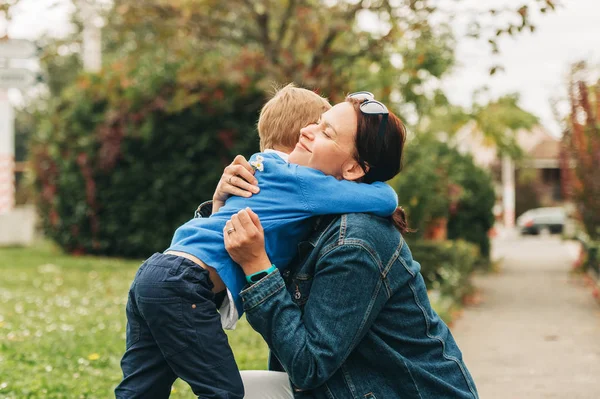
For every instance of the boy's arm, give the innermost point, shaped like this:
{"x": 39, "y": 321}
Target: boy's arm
{"x": 326, "y": 195}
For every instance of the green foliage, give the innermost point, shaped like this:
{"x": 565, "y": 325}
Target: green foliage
{"x": 62, "y": 326}
{"x": 162, "y": 60}
{"x": 498, "y": 120}
{"x": 439, "y": 182}
{"x": 123, "y": 157}
{"x": 446, "y": 266}
{"x": 313, "y": 43}
{"x": 320, "y": 44}
{"x": 472, "y": 217}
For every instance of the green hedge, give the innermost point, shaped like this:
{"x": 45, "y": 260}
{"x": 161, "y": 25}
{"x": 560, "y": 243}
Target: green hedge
{"x": 591, "y": 248}
{"x": 472, "y": 217}
{"x": 440, "y": 182}
{"x": 446, "y": 266}
{"x": 124, "y": 157}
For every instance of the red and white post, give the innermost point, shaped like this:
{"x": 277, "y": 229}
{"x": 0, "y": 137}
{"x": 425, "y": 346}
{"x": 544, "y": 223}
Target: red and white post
{"x": 7, "y": 154}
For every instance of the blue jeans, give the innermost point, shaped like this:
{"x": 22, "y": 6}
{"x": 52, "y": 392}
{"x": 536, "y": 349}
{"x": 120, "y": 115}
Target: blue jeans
{"x": 174, "y": 330}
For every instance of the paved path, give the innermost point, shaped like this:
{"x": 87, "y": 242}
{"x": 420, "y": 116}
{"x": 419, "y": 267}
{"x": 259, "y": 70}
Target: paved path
{"x": 536, "y": 333}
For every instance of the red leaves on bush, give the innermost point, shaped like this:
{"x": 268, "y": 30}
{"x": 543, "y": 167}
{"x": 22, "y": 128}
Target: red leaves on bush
{"x": 111, "y": 137}
{"x": 90, "y": 190}
{"x": 227, "y": 137}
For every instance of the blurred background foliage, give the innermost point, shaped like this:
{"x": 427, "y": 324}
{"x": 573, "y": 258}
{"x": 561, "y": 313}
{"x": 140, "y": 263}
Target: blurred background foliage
{"x": 145, "y": 139}
{"x": 442, "y": 183}
{"x": 582, "y": 147}
{"x": 124, "y": 156}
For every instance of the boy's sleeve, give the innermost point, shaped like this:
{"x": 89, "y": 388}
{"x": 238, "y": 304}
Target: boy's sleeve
{"x": 325, "y": 195}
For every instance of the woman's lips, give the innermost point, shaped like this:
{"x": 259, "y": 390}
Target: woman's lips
{"x": 305, "y": 148}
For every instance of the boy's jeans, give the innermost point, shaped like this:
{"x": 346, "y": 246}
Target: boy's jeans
{"x": 174, "y": 330}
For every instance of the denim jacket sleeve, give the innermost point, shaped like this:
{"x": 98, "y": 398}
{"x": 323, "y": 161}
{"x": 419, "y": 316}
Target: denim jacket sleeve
{"x": 346, "y": 295}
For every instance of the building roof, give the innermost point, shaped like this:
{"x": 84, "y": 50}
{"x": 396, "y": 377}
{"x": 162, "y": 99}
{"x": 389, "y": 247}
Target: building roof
{"x": 546, "y": 149}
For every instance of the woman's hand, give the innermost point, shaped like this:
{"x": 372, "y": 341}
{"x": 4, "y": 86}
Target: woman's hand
{"x": 245, "y": 241}
{"x": 237, "y": 179}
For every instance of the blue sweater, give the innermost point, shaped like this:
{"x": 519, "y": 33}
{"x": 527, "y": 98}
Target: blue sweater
{"x": 289, "y": 195}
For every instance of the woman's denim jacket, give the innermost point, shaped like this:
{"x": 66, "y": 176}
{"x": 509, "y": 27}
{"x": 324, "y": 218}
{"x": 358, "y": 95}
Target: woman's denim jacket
{"x": 350, "y": 318}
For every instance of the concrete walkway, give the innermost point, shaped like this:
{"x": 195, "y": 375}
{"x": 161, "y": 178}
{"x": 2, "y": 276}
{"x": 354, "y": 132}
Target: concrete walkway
{"x": 536, "y": 332}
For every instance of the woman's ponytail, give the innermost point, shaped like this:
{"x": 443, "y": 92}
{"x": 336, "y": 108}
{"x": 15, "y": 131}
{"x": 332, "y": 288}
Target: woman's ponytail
{"x": 400, "y": 222}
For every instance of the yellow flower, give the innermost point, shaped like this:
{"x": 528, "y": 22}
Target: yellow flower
{"x": 93, "y": 356}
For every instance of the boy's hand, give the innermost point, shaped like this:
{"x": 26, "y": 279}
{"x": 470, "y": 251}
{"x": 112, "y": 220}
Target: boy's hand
{"x": 237, "y": 179}
{"x": 245, "y": 241}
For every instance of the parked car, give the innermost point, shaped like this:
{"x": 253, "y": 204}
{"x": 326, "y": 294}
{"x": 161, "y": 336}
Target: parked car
{"x": 537, "y": 220}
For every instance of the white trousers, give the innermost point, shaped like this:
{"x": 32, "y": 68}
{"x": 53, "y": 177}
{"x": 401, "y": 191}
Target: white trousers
{"x": 263, "y": 384}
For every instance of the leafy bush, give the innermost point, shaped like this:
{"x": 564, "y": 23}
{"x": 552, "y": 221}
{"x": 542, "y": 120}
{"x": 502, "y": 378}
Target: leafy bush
{"x": 123, "y": 157}
{"x": 472, "y": 217}
{"x": 422, "y": 186}
{"x": 439, "y": 182}
{"x": 446, "y": 266}
{"x": 580, "y": 158}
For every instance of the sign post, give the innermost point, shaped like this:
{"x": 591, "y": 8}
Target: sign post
{"x": 18, "y": 78}
{"x": 7, "y": 154}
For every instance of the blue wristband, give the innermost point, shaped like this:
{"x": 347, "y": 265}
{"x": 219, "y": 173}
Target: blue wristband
{"x": 255, "y": 277}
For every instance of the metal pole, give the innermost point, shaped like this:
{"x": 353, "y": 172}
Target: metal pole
{"x": 7, "y": 154}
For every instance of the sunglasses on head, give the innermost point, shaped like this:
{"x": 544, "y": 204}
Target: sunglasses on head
{"x": 370, "y": 106}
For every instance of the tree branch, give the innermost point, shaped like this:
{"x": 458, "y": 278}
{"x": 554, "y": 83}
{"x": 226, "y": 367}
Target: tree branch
{"x": 318, "y": 55}
{"x": 285, "y": 21}
{"x": 262, "y": 20}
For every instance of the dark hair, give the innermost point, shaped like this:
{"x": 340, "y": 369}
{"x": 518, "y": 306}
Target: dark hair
{"x": 380, "y": 159}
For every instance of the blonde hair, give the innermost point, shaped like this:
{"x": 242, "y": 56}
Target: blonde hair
{"x": 288, "y": 111}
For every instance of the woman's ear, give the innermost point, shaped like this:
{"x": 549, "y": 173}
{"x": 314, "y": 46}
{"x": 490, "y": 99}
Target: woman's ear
{"x": 352, "y": 171}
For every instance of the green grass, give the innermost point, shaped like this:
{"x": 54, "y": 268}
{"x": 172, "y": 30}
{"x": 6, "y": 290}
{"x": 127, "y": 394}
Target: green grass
{"x": 62, "y": 325}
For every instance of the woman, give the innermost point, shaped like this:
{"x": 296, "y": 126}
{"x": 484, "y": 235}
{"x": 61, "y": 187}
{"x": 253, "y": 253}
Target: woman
{"x": 350, "y": 318}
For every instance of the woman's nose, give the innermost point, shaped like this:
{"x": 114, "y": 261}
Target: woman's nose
{"x": 307, "y": 133}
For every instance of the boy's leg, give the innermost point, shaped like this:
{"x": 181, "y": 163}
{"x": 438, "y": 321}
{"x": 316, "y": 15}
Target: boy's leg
{"x": 175, "y": 299}
{"x": 146, "y": 373}
{"x": 208, "y": 365}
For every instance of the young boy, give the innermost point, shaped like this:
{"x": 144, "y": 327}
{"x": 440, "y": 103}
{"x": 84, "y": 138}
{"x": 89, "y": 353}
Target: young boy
{"x": 173, "y": 327}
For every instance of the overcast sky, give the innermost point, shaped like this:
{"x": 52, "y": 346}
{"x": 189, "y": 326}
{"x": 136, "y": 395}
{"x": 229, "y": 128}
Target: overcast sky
{"x": 535, "y": 64}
